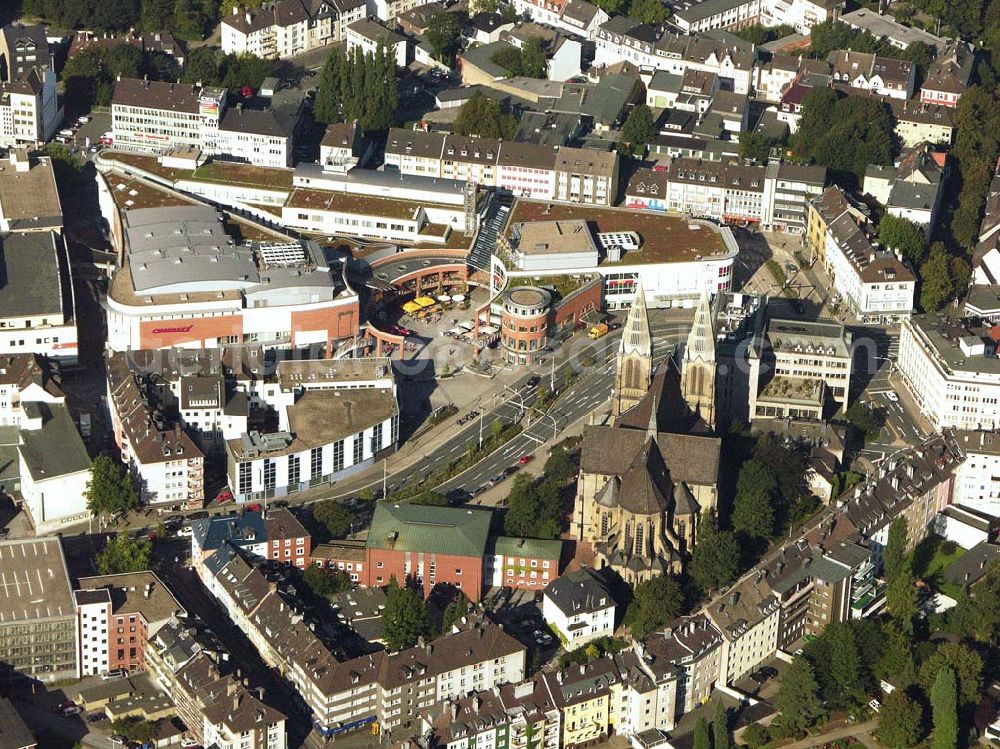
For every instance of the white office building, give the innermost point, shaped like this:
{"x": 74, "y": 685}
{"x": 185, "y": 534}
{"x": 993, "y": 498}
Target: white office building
{"x": 952, "y": 371}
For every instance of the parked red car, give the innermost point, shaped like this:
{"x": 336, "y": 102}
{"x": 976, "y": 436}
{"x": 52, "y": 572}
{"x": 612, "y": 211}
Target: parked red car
{"x": 525, "y": 459}
{"x": 253, "y": 508}
{"x": 224, "y": 495}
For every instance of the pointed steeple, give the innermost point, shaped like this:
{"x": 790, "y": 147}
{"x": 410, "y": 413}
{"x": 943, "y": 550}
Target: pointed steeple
{"x": 701, "y": 339}
{"x": 636, "y": 338}
{"x": 653, "y": 428}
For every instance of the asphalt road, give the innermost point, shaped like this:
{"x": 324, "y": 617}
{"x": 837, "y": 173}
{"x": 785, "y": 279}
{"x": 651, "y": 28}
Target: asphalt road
{"x": 585, "y": 395}
{"x": 592, "y": 388}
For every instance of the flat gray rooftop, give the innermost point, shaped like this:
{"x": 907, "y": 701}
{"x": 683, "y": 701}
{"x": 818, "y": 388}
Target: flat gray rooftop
{"x": 34, "y": 583}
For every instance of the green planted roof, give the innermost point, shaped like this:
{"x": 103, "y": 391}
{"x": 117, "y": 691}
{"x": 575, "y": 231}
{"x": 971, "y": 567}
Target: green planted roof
{"x": 535, "y": 548}
{"x": 435, "y": 530}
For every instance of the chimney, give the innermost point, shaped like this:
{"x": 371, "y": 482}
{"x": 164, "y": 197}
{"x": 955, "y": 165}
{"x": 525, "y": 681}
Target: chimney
{"x": 236, "y": 702}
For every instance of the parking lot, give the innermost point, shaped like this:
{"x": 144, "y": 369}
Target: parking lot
{"x": 521, "y": 615}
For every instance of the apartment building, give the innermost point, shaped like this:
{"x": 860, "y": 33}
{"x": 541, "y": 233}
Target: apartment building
{"x": 37, "y": 611}
{"x": 580, "y": 607}
{"x": 949, "y": 76}
{"x": 286, "y": 28}
{"x": 576, "y": 175}
{"x": 882, "y": 76}
{"x": 911, "y": 188}
{"x": 915, "y": 486}
{"x": 161, "y": 116}
{"x": 388, "y": 688}
{"x": 774, "y": 196}
{"x": 274, "y": 534}
{"x": 709, "y": 15}
{"x": 952, "y": 371}
{"x": 622, "y": 39}
{"x": 918, "y": 122}
{"x": 977, "y": 481}
{"x": 368, "y": 35}
{"x": 800, "y": 369}
{"x": 168, "y": 464}
{"x": 26, "y": 379}
{"x": 515, "y": 716}
{"x": 876, "y": 286}
{"x": 29, "y": 106}
{"x": 577, "y": 17}
{"x": 686, "y": 656}
{"x": 216, "y": 708}
{"x": 117, "y": 615}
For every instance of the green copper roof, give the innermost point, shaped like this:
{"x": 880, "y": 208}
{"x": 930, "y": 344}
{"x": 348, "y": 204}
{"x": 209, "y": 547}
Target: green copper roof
{"x": 435, "y": 530}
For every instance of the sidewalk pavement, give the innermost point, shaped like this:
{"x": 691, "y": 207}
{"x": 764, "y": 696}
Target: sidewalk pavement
{"x": 858, "y": 731}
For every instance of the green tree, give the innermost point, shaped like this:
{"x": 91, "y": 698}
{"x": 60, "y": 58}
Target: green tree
{"x": 866, "y": 419}
{"x": 844, "y": 668}
{"x": 134, "y": 728}
{"x": 238, "y": 71}
{"x": 656, "y": 601}
{"x": 701, "y": 735}
{"x": 508, "y": 58}
{"x": 124, "y": 60}
{"x": 122, "y": 554}
{"x": 938, "y": 285}
{"x": 454, "y": 611}
{"x": 405, "y": 618}
{"x": 753, "y": 507}
{"x": 895, "y": 233}
{"x": 901, "y": 601}
{"x": 896, "y": 663}
{"x": 191, "y": 19}
{"x": 798, "y": 699}
{"x": 977, "y": 145}
{"x": 900, "y": 721}
{"x": 830, "y": 35}
{"x": 966, "y": 665}
{"x": 755, "y": 145}
{"x": 560, "y": 465}
{"x": 845, "y": 133}
{"x": 430, "y": 498}
{"x": 977, "y": 614}
{"x": 110, "y": 490}
{"x": 716, "y": 556}
{"x": 202, "y": 65}
{"x": 335, "y": 517}
{"x": 443, "y": 31}
{"x": 613, "y": 7}
{"x": 721, "y": 739}
{"x": 944, "y": 706}
{"x": 639, "y": 128}
{"x": 533, "y": 62}
{"x": 325, "y": 583}
{"x": 534, "y": 510}
{"x": 486, "y": 118}
{"x": 651, "y": 12}
{"x": 156, "y": 15}
{"x": 894, "y": 561}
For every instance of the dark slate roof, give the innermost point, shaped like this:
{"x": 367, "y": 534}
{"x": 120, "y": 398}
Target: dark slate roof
{"x": 972, "y": 565}
{"x": 646, "y": 482}
{"x": 580, "y": 592}
{"x": 241, "y": 530}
